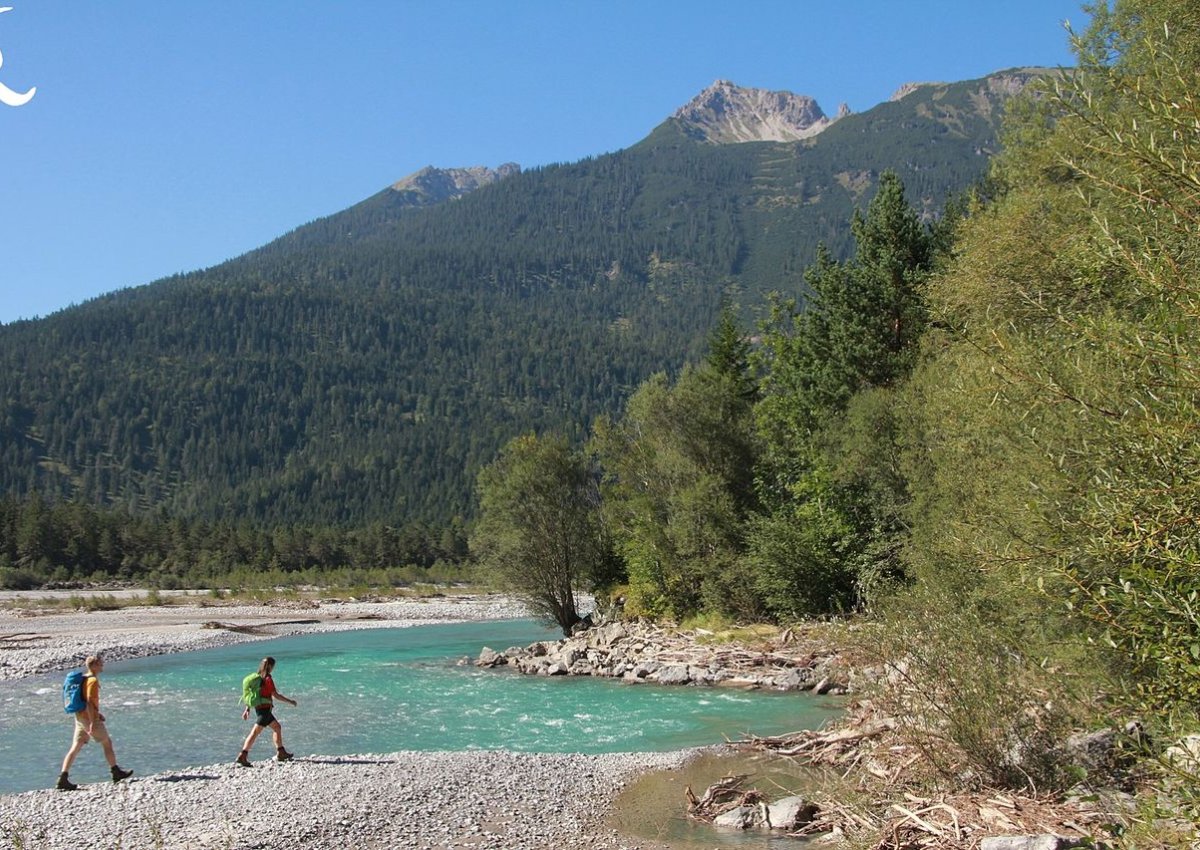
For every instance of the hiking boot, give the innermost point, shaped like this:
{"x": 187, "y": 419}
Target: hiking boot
{"x": 118, "y": 774}
{"x": 243, "y": 759}
{"x": 283, "y": 755}
{"x": 65, "y": 784}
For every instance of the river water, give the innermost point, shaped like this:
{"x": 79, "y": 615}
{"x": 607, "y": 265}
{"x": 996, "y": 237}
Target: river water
{"x": 374, "y": 691}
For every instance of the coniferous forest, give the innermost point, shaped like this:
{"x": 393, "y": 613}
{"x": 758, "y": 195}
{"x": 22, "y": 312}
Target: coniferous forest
{"x": 362, "y": 369}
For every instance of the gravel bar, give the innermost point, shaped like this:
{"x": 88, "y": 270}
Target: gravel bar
{"x": 34, "y": 640}
{"x": 483, "y": 800}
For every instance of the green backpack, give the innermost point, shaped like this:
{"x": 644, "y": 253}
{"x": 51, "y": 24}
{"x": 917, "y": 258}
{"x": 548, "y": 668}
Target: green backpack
{"x": 251, "y": 686}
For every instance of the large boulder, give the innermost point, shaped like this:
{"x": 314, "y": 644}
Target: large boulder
{"x": 488, "y": 657}
{"x": 605, "y": 636}
{"x": 674, "y": 674}
{"x": 740, "y": 817}
{"x": 1186, "y": 754}
{"x": 784, "y": 815}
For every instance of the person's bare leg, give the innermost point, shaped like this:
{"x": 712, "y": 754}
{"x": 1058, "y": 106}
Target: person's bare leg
{"x": 251, "y": 738}
{"x": 69, "y": 758}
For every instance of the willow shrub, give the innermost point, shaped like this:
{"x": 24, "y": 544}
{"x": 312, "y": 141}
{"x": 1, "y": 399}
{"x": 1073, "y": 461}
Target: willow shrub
{"x": 981, "y": 687}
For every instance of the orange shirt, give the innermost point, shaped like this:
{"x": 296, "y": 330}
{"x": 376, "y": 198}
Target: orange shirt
{"x": 91, "y": 691}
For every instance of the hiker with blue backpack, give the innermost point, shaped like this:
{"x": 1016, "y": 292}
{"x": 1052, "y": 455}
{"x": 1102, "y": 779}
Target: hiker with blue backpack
{"x": 81, "y": 698}
{"x": 259, "y": 693}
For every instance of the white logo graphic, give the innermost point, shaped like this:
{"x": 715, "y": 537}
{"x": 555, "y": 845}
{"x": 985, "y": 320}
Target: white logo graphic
{"x": 7, "y": 96}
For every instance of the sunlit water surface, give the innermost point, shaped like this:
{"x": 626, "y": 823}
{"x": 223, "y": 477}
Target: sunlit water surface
{"x": 374, "y": 691}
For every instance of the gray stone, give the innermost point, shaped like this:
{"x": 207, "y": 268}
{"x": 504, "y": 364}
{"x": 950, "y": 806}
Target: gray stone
{"x": 674, "y": 674}
{"x": 742, "y": 817}
{"x": 488, "y": 657}
{"x": 795, "y": 679}
{"x": 1186, "y": 754}
{"x": 1028, "y": 842}
{"x": 541, "y": 648}
{"x": 790, "y": 813}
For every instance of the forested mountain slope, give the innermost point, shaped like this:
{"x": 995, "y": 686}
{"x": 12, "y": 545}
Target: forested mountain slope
{"x": 364, "y": 366}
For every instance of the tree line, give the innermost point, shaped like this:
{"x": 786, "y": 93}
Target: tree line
{"x": 47, "y": 543}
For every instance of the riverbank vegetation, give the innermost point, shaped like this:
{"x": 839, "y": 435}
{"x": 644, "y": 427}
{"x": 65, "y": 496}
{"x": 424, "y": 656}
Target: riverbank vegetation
{"x": 983, "y": 437}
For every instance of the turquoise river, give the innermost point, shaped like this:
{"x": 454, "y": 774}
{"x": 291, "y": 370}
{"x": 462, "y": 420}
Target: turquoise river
{"x": 374, "y": 691}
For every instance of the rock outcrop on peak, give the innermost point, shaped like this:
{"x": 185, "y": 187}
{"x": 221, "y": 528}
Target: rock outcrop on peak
{"x": 908, "y": 88}
{"x": 1004, "y": 83}
{"x": 725, "y": 113}
{"x": 433, "y": 185}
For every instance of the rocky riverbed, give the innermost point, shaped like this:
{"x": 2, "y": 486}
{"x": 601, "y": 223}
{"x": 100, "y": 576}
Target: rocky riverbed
{"x": 639, "y": 652}
{"x": 482, "y": 800}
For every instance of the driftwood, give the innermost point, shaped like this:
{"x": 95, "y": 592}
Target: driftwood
{"x": 822, "y": 747}
{"x": 256, "y": 628}
{"x": 22, "y": 637}
{"x": 721, "y": 797}
{"x": 865, "y": 745}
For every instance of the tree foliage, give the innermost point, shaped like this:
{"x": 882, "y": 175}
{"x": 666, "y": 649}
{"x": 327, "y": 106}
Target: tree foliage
{"x": 830, "y": 471}
{"x": 1050, "y": 440}
{"x": 678, "y": 487}
{"x": 539, "y": 532}
{"x": 65, "y": 543}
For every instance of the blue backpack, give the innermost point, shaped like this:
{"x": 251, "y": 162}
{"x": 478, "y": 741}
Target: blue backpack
{"x": 74, "y": 698}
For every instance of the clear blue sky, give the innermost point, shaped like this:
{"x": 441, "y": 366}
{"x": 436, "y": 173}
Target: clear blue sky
{"x": 167, "y": 135}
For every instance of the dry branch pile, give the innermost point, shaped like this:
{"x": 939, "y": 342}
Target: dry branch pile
{"x": 880, "y": 774}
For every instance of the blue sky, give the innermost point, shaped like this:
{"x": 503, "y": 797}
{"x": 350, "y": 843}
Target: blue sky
{"x": 165, "y": 136}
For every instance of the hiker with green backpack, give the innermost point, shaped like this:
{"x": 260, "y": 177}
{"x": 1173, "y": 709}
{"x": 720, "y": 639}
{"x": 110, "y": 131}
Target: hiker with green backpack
{"x": 259, "y": 693}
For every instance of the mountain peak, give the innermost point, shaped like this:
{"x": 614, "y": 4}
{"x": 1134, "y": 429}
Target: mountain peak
{"x": 725, "y": 113}
{"x": 432, "y": 185}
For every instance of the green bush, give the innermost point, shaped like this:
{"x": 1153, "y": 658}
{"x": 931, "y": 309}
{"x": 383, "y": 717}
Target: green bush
{"x": 981, "y": 687}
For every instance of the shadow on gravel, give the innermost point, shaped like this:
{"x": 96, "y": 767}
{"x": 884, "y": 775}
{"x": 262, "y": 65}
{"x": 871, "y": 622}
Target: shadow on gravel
{"x": 186, "y": 777}
{"x": 345, "y": 761}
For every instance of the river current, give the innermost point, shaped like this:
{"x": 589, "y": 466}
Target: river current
{"x": 374, "y": 691}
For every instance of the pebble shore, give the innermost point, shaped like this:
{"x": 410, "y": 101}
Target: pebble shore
{"x": 481, "y": 799}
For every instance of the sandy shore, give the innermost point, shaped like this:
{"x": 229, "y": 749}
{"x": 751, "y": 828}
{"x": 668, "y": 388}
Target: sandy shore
{"x": 395, "y": 800}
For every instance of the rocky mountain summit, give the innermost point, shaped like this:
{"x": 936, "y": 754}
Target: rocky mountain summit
{"x": 1006, "y": 83}
{"x": 433, "y": 185}
{"x": 725, "y": 113}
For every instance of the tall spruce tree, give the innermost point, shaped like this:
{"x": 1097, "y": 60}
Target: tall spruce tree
{"x": 828, "y": 471}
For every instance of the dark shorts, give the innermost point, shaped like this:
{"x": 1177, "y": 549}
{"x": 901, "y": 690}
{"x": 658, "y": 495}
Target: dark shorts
{"x": 265, "y": 717}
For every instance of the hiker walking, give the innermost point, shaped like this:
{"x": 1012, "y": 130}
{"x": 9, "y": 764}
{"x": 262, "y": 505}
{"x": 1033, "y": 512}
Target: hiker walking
{"x": 259, "y": 693}
{"x": 82, "y": 699}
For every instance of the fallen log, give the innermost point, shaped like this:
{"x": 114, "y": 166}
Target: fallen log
{"x": 22, "y": 637}
{"x": 256, "y": 628}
